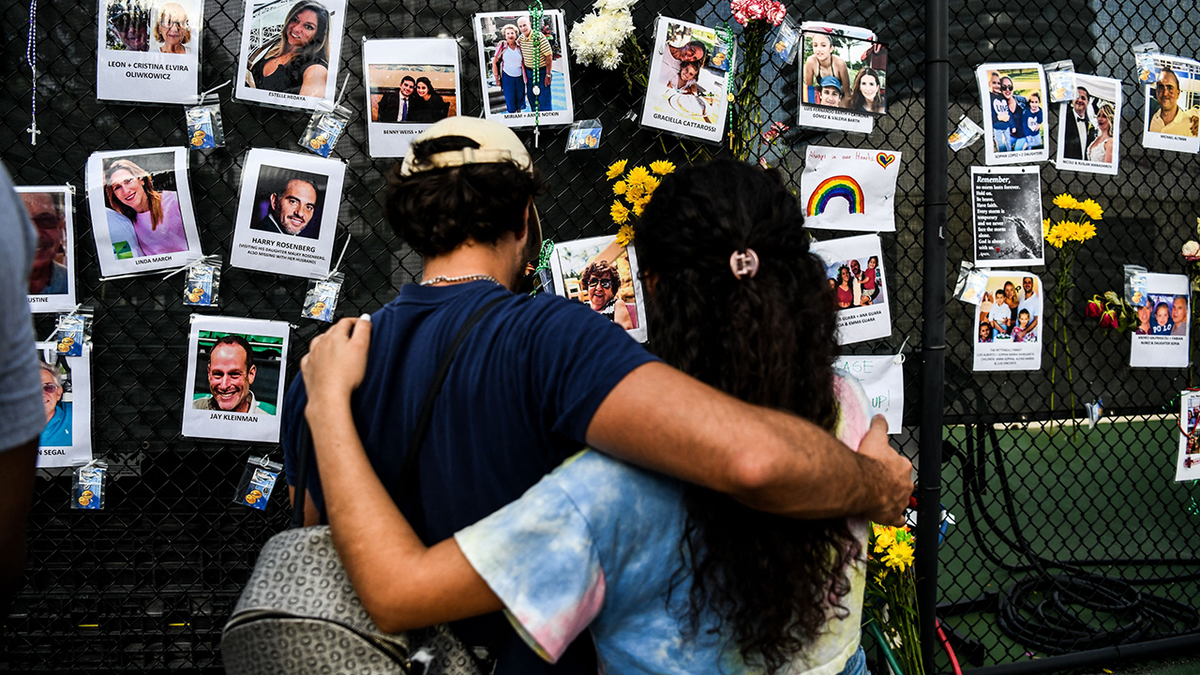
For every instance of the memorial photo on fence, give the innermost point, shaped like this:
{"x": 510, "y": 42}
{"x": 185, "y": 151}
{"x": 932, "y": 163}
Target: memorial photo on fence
{"x": 52, "y": 277}
{"x": 1171, "y": 119}
{"x": 1014, "y": 112}
{"x": 411, "y": 83}
{"x": 854, "y": 268}
{"x": 287, "y": 213}
{"x": 1089, "y": 126}
{"x": 290, "y": 52}
{"x": 1188, "y": 462}
{"x": 66, "y": 439}
{"x": 1008, "y": 322}
{"x": 602, "y": 274}
{"x": 1007, "y": 206}
{"x": 235, "y": 377}
{"x": 141, "y": 207}
{"x": 689, "y": 74}
{"x": 148, "y": 51}
{"x": 1160, "y": 339}
{"x": 524, "y": 68}
{"x": 843, "y": 71}
{"x": 849, "y": 189}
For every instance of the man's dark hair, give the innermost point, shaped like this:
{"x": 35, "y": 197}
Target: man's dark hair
{"x": 601, "y": 269}
{"x": 408, "y": 77}
{"x": 282, "y": 186}
{"x": 235, "y": 340}
{"x": 1085, "y": 92}
{"x": 770, "y": 340}
{"x": 435, "y": 211}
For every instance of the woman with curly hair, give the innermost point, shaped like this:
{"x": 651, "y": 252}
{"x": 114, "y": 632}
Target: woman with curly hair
{"x": 157, "y": 220}
{"x": 298, "y": 63}
{"x": 602, "y": 281}
{"x": 668, "y": 577}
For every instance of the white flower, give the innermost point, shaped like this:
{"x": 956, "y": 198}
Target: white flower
{"x": 597, "y": 37}
{"x": 1191, "y": 248}
{"x": 615, "y": 5}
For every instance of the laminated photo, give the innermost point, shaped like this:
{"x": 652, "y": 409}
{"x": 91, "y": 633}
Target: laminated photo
{"x": 290, "y": 52}
{"x": 602, "y": 274}
{"x": 66, "y": 439}
{"x": 687, "y": 93}
{"x": 235, "y": 378}
{"x": 882, "y": 378}
{"x": 141, "y": 207}
{"x": 1171, "y": 118}
{"x": 1089, "y": 126}
{"x": 149, "y": 51}
{"x": 1014, "y": 112}
{"x": 411, "y": 83}
{"x": 525, "y": 70}
{"x": 843, "y": 77}
{"x": 854, "y": 267}
{"x": 1007, "y": 204}
{"x": 52, "y": 279}
{"x": 850, "y": 189}
{"x": 1161, "y": 337}
{"x": 287, "y": 213}
{"x": 1187, "y": 466}
{"x": 1009, "y": 322}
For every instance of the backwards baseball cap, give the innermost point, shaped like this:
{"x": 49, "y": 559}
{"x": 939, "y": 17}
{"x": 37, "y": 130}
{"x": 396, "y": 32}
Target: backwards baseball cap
{"x": 497, "y": 145}
{"x": 831, "y": 81}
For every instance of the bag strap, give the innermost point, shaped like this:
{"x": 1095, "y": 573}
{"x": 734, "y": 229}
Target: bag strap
{"x": 408, "y": 471}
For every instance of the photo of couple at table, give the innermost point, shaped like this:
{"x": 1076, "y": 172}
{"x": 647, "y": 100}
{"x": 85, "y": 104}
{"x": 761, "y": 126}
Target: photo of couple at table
{"x": 1010, "y": 310}
{"x": 841, "y": 71}
{"x": 1014, "y": 113}
{"x": 523, "y": 67}
{"x": 1162, "y": 314}
{"x": 403, "y": 93}
{"x": 1089, "y": 127}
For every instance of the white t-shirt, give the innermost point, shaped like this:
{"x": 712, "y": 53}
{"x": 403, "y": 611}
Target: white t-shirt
{"x": 1001, "y": 313}
{"x": 1180, "y": 126}
{"x": 511, "y": 61}
{"x": 1033, "y": 303}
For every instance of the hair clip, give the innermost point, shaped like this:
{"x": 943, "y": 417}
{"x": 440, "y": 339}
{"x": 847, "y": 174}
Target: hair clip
{"x": 744, "y": 264}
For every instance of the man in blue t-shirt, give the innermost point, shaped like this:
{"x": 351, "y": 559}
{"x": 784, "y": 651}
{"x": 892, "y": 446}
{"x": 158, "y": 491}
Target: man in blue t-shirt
{"x": 534, "y": 381}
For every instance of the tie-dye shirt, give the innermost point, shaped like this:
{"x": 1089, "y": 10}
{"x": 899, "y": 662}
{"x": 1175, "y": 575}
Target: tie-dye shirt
{"x": 593, "y": 546}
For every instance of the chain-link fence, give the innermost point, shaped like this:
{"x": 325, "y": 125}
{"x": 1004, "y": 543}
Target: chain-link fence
{"x": 148, "y": 582}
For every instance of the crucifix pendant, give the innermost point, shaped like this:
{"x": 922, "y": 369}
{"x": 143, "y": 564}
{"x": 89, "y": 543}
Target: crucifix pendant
{"x": 33, "y": 133}
{"x": 536, "y": 133}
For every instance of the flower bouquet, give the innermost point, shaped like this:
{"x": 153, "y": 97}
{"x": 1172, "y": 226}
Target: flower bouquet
{"x": 633, "y": 189}
{"x": 757, "y": 18}
{"x": 891, "y": 605}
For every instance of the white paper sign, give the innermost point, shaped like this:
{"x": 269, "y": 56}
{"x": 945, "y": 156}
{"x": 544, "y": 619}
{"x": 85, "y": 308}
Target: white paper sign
{"x": 287, "y": 213}
{"x": 882, "y": 377}
{"x": 1187, "y": 466}
{"x": 1014, "y": 112}
{"x": 1089, "y": 127}
{"x": 603, "y": 275}
{"x": 149, "y": 50}
{"x": 854, "y": 267}
{"x": 411, "y": 84}
{"x": 850, "y": 189}
{"x": 690, "y": 70}
{"x": 235, "y": 378}
{"x": 52, "y": 279}
{"x": 67, "y": 438}
{"x": 1007, "y": 205}
{"x": 290, "y": 53}
{"x": 132, "y": 236}
{"x": 1008, "y": 322}
{"x": 511, "y": 90}
{"x": 1161, "y": 338}
{"x": 1171, "y": 117}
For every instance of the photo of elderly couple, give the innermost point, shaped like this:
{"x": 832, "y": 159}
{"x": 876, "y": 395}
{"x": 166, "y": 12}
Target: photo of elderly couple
{"x": 524, "y": 64}
{"x": 856, "y": 282}
{"x": 1010, "y": 311}
{"x": 411, "y": 93}
{"x": 841, "y": 71}
{"x": 1163, "y": 314}
{"x": 151, "y": 26}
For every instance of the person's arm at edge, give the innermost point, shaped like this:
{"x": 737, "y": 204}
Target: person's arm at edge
{"x": 16, "y": 492}
{"x": 315, "y": 78}
{"x": 402, "y": 583}
{"x": 663, "y": 420}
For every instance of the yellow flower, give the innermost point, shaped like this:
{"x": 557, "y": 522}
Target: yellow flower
{"x": 1066, "y": 201}
{"x": 1092, "y": 209}
{"x": 1056, "y": 237}
{"x": 884, "y": 537}
{"x": 1046, "y": 229}
{"x": 620, "y": 214}
{"x": 662, "y": 167}
{"x": 619, "y": 187}
{"x": 634, "y": 191}
{"x": 638, "y": 174}
{"x": 625, "y": 235}
{"x": 1084, "y": 231}
{"x": 900, "y": 556}
{"x": 651, "y": 184}
{"x": 638, "y": 208}
{"x": 616, "y": 169}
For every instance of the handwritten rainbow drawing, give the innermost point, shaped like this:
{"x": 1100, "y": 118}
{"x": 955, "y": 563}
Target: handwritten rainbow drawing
{"x": 832, "y": 188}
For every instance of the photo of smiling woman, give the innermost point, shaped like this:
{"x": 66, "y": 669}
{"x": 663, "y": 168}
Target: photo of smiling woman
{"x": 289, "y": 51}
{"x": 603, "y": 275}
{"x": 172, "y": 30}
{"x": 155, "y": 215}
{"x": 66, "y": 439}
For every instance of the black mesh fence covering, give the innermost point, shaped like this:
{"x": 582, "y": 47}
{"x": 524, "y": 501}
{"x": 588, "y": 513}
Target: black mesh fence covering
{"x": 147, "y": 583}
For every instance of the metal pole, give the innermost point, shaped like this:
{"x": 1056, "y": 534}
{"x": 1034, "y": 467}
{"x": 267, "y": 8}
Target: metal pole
{"x": 933, "y": 317}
